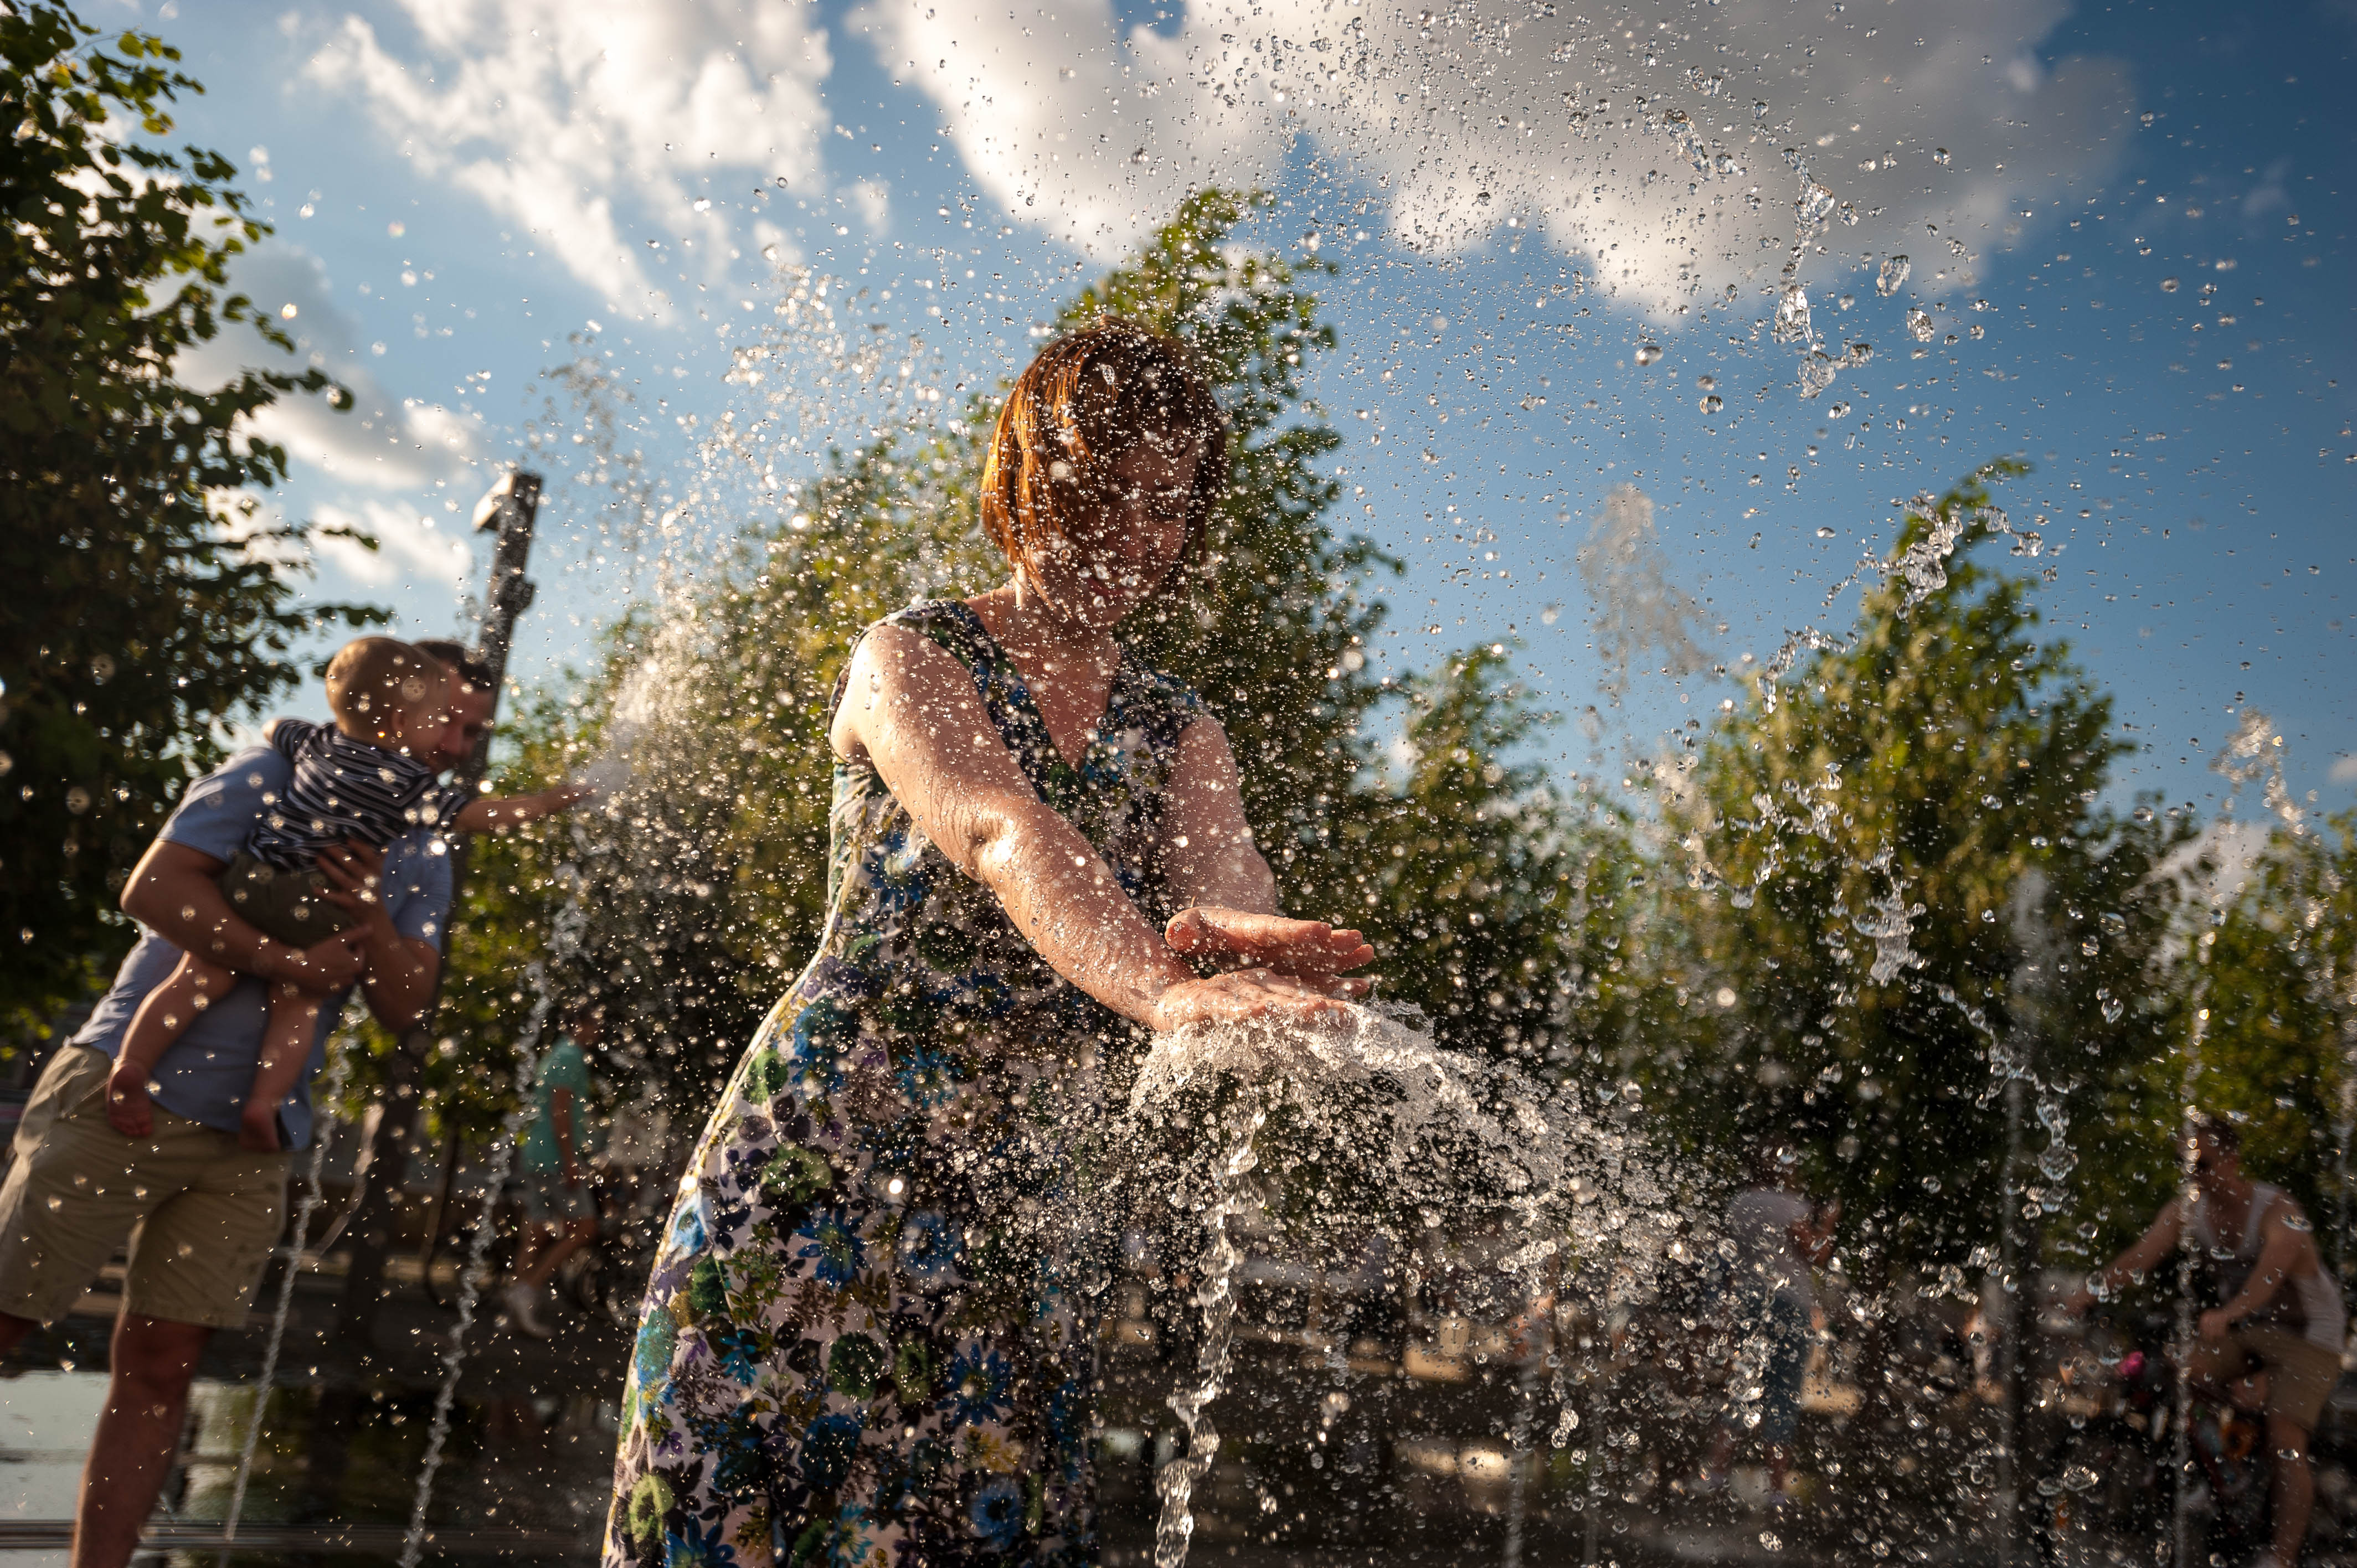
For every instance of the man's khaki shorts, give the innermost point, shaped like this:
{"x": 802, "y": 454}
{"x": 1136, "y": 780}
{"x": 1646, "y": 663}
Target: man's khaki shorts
{"x": 2301, "y": 1374}
{"x": 203, "y": 1214}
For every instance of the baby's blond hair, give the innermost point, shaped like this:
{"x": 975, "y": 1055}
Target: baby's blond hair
{"x": 371, "y": 679}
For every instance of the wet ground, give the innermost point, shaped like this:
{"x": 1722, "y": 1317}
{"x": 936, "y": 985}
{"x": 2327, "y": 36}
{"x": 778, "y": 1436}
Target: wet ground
{"x": 1373, "y": 1451}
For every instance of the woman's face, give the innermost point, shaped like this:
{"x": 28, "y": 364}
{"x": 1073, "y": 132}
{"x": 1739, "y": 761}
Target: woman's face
{"x": 1121, "y": 535}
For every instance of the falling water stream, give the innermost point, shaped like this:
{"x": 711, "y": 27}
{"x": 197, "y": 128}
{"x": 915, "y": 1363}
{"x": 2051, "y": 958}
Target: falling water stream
{"x": 1399, "y": 1132}
{"x": 565, "y": 939}
{"x": 329, "y": 1095}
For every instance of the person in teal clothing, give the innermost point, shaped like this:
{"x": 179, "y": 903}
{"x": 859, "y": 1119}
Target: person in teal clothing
{"x": 554, "y": 1158}
{"x": 869, "y": 1338}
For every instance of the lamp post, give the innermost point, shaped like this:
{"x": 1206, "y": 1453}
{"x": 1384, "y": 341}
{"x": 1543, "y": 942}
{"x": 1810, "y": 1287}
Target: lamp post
{"x": 509, "y": 509}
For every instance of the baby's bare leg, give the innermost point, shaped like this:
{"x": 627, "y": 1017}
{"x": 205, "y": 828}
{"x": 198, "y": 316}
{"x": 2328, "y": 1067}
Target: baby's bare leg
{"x": 163, "y": 1017}
{"x": 285, "y": 1045}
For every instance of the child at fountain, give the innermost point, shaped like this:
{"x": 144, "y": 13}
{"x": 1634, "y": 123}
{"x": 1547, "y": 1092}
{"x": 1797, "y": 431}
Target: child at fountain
{"x": 363, "y": 778}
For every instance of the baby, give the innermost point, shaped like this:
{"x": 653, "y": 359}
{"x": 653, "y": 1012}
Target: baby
{"x": 364, "y": 779}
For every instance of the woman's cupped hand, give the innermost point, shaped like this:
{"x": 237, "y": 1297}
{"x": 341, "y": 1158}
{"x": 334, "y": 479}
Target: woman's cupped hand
{"x": 1241, "y": 994}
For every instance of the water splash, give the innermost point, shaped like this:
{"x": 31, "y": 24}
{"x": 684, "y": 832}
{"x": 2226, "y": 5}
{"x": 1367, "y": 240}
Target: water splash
{"x": 2255, "y": 751}
{"x": 1888, "y": 920}
{"x": 565, "y": 940}
{"x": 1400, "y": 1135}
{"x": 1639, "y": 611}
{"x": 1793, "y": 324}
{"x": 331, "y": 1090}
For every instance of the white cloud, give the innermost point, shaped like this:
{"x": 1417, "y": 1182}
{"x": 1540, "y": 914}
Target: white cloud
{"x": 552, "y": 112}
{"x": 2213, "y": 865}
{"x": 378, "y": 444}
{"x": 1075, "y": 128}
{"x": 412, "y": 548}
{"x": 1469, "y": 117}
{"x": 2344, "y": 770}
{"x": 874, "y": 199}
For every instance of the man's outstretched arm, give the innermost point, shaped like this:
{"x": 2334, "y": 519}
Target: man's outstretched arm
{"x": 2146, "y": 1255}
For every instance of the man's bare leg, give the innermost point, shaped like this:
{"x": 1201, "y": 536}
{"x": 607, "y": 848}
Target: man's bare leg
{"x": 541, "y": 1259}
{"x": 2295, "y": 1487}
{"x": 138, "y": 1431}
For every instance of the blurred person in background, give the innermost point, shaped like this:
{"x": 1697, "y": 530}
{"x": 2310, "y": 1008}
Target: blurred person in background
{"x": 559, "y": 1205}
{"x": 1780, "y": 1238}
{"x": 472, "y": 693}
{"x": 200, "y": 1212}
{"x": 2271, "y": 1347}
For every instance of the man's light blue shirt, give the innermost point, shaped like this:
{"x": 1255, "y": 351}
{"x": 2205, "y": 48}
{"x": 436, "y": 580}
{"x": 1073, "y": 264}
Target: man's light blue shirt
{"x": 204, "y": 1075}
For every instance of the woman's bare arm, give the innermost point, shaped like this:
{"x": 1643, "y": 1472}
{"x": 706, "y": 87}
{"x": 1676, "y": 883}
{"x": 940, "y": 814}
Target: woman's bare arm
{"x": 1224, "y": 891}
{"x": 910, "y": 710}
{"x": 1208, "y": 853}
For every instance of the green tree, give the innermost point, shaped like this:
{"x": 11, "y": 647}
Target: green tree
{"x": 1902, "y": 889}
{"x": 161, "y": 612}
{"x": 2276, "y": 976}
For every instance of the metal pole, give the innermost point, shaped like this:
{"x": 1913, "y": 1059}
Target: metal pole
{"x": 511, "y": 508}
{"x": 2012, "y": 1476}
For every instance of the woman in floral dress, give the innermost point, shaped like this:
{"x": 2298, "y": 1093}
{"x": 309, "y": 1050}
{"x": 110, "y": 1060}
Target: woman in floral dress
{"x": 870, "y": 1336}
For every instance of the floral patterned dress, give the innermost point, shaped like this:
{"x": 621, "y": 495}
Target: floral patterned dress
{"x": 870, "y": 1334}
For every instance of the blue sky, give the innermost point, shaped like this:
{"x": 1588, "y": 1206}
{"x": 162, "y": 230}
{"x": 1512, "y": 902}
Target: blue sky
{"x": 2133, "y": 220}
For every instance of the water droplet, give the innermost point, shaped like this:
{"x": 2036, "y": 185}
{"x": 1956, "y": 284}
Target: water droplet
{"x": 1919, "y": 326}
{"x": 1940, "y": 156}
{"x": 1713, "y": 403}
{"x": 1817, "y": 372}
{"x": 1812, "y": 207}
{"x": 1647, "y": 353}
{"x": 1792, "y": 324}
{"x": 2170, "y": 286}
{"x": 1893, "y": 275}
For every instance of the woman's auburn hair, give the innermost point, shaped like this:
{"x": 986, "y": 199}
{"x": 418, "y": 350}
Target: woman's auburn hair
{"x": 1083, "y": 405}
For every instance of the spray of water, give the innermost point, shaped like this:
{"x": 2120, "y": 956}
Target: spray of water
{"x": 1639, "y": 610}
{"x": 1369, "y": 1121}
{"x": 565, "y": 940}
{"x": 323, "y": 1127}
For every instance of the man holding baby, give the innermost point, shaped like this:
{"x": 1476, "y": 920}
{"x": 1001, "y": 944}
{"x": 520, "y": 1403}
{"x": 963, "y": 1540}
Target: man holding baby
{"x": 202, "y": 1204}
